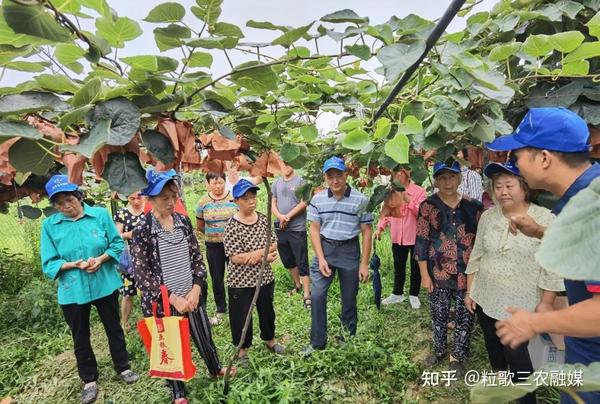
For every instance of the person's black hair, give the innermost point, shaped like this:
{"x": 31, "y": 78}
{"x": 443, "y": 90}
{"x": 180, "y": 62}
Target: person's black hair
{"x": 77, "y": 194}
{"x": 573, "y": 160}
{"x": 214, "y": 176}
{"x": 465, "y": 152}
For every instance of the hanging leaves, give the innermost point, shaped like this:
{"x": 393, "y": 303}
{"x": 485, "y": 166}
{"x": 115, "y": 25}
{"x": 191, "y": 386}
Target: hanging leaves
{"x": 166, "y": 12}
{"x": 9, "y": 129}
{"x": 124, "y": 173}
{"x": 159, "y": 145}
{"x": 27, "y": 155}
{"x": 35, "y": 21}
{"x": 124, "y": 118}
{"x": 398, "y": 57}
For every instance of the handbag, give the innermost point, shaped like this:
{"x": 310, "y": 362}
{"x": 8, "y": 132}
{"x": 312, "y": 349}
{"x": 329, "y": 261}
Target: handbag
{"x": 125, "y": 262}
{"x": 167, "y": 342}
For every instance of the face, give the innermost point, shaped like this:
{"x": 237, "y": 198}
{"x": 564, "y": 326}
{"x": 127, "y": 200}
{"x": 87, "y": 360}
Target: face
{"x": 216, "y": 186}
{"x": 336, "y": 180}
{"x": 531, "y": 165}
{"x": 247, "y": 202}
{"x": 136, "y": 201}
{"x": 287, "y": 171}
{"x": 508, "y": 191}
{"x": 164, "y": 203}
{"x": 447, "y": 183}
{"x": 68, "y": 205}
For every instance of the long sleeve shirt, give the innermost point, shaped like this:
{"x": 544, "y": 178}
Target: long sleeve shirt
{"x": 403, "y": 227}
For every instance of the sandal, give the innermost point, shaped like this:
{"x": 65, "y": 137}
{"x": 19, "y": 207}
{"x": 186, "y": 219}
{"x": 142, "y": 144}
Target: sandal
{"x": 295, "y": 290}
{"x": 277, "y": 348}
{"x": 307, "y": 302}
{"x": 213, "y": 321}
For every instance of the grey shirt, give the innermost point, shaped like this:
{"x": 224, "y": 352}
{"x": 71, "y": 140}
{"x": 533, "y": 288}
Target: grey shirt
{"x": 285, "y": 193}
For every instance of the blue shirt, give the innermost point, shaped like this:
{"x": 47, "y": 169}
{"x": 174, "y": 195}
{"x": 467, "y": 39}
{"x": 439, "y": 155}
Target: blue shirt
{"x": 580, "y": 350}
{"x": 339, "y": 220}
{"x": 64, "y": 240}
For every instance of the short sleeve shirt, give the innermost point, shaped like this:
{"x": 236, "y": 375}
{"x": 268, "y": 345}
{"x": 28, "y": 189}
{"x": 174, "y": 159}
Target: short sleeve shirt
{"x": 215, "y": 213}
{"x": 128, "y": 219}
{"x": 285, "y": 194}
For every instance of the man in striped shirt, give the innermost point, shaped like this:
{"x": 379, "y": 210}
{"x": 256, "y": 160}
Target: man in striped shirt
{"x": 337, "y": 216}
{"x": 472, "y": 183}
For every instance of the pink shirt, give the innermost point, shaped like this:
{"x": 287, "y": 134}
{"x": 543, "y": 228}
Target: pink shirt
{"x": 404, "y": 228}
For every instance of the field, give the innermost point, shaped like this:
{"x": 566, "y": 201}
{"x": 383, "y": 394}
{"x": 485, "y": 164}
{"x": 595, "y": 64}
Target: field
{"x": 383, "y": 363}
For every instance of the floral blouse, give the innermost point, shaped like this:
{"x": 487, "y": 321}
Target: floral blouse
{"x": 145, "y": 261}
{"x": 445, "y": 239}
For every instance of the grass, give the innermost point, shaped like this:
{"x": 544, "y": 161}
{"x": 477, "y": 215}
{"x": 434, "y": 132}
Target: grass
{"x": 383, "y": 363}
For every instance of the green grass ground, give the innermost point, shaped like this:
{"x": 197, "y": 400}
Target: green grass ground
{"x": 383, "y": 363}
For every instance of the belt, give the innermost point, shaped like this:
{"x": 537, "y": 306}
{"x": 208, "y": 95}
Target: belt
{"x": 339, "y": 242}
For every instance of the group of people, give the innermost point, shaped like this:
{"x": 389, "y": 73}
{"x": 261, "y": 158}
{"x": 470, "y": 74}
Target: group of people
{"x": 474, "y": 261}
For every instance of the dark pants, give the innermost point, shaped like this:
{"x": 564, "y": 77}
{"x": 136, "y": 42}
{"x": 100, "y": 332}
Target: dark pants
{"x": 78, "y": 319}
{"x": 503, "y": 357}
{"x": 401, "y": 253}
{"x": 293, "y": 250}
{"x": 217, "y": 260}
{"x": 440, "y": 301}
{"x": 343, "y": 259}
{"x": 239, "y": 304}
{"x": 201, "y": 335}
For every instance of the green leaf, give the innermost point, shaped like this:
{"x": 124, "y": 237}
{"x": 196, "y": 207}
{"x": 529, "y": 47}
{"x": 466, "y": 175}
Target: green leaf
{"x": 309, "y": 133}
{"x": 171, "y": 36}
{"x": 398, "y": 57}
{"x": 73, "y": 116}
{"x": 216, "y": 42}
{"x": 292, "y": 36}
{"x": 445, "y": 112}
{"x": 504, "y": 95}
{"x": 586, "y": 50}
{"x": 356, "y": 139}
{"x": 289, "y": 152}
{"x": 382, "y": 128}
{"x": 508, "y": 23}
{"x": 200, "y": 59}
{"x": 88, "y": 93}
{"x": 208, "y": 10}
{"x": 91, "y": 142}
{"x": 295, "y": 95}
{"x": 98, "y": 5}
{"x": 159, "y": 146}
{"x": 410, "y": 125}
{"x": 537, "y": 45}
{"x": 9, "y": 37}
{"x": 9, "y": 52}
{"x": 166, "y": 12}
{"x": 35, "y": 21}
{"x": 260, "y": 79}
{"x": 67, "y": 53}
{"x": 594, "y": 25}
{"x": 345, "y": 15}
{"x": 10, "y": 129}
{"x": 266, "y": 25}
{"x": 383, "y": 33}
{"x": 30, "y": 212}
{"x": 360, "y": 51}
{"x": 118, "y": 31}
{"x": 124, "y": 119}
{"x": 411, "y": 24}
{"x": 397, "y": 148}
{"x": 75, "y": 67}
{"x": 30, "y": 101}
{"x": 27, "y": 155}
{"x": 484, "y": 131}
{"x": 151, "y": 63}
{"x": 380, "y": 194}
{"x": 124, "y": 173}
{"x": 22, "y": 66}
{"x": 503, "y": 52}
{"x": 581, "y": 67}
{"x": 566, "y": 41}
{"x": 226, "y": 29}
{"x": 350, "y": 124}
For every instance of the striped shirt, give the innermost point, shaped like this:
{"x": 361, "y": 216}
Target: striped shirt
{"x": 215, "y": 213}
{"x": 471, "y": 185}
{"x": 339, "y": 220}
{"x": 174, "y": 257}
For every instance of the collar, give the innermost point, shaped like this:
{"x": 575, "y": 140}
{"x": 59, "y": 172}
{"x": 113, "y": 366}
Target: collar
{"x": 346, "y": 192}
{"x": 156, "y": 227}
{"x": 581, "y": 182}
{"x": 87, "y": 211}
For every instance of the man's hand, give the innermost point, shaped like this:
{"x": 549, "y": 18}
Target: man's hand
{"x": 470, "y": 304}
{"x": 516, "y": 329}
{"x": 324, "y": 268}
{"x": 378, "y": 234}
{"x": 427, "y": 284}
{"x": 193, "y": 297}
{"x": 526, "y": 225}
{"x": 363, "y": 273}
{"x": 180, "y": 303}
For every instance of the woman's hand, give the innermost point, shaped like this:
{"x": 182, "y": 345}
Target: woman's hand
{"x": 181, "y": 304}
{"x": 470, "y": 303}
{"x": 427, "y": 284}
{"x": 193, "y": 298}
{"x": 272, "y": 256}
{"x": 94, "y": 263}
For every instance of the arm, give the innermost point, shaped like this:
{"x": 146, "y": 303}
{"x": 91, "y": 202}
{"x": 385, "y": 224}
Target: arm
{"x": 469, "y": 302}
{"x": 200, "y": 225}
{"x": 422, "y": 249}
{"x": 115, "y": 245}
{"x": 413, "y": 204}
{"x": 52, "y": 262}
{"x": 526, "y": 225}
{"x": 367, "y": 240}
{"x": 297, "y": 210}
{"x": 315, "y": 239}
{"x": 277, "y": 213}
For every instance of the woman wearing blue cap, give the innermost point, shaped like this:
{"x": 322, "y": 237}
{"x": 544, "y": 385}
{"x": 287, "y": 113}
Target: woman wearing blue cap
{"x": 164, "y": 251}
{"x": 80, "y": 246}
{"x": 502, "y": 269}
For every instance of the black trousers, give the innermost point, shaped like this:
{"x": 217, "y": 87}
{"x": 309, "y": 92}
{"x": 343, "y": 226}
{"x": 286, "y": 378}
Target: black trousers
{"x": 217, "y": 260}
{"x": 202, "y": 337}
{"x": 503, "y": 357}
{"x": 78, "y": 319}
{"x": 239, "y": 304}
{"x": 401, "y": 253}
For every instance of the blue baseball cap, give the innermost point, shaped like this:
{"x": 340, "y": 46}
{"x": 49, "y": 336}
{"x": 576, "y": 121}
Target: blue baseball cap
{"x": 508, "y": 167}
{"x": 156, "y": 181}
{"x": 59, "y": 183}
{"x": 555, "y": 129}
{"x": 440, "y": 166}
{"x": 241, "y": 187}
{"x": 334, "y": 162}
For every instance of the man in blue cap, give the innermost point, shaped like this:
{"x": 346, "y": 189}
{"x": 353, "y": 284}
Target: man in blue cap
{"x": 337, "y": 216}
{"x": 551, "y": 147}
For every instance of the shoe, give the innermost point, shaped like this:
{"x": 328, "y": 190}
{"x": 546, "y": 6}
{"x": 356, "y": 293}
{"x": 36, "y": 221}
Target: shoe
{"x": 433, "y": 360}
{"x": 307, "y": 303}
{"x": 414, "y": 301}
{"x": 243, "y": 361}
{"x": 393, "y": 299}
{"x": 89, "y": 393}
{"x": 277, "y": 348}
{"x": 129, "y": 376}
{"x": 307, "y": 351}
{"x": 341, "y": 340}
{"x": 458, "y": 368}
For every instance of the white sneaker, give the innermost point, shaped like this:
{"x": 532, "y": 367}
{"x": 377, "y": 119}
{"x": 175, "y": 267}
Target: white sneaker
{"x": 415, "y": 303}
{"x": 393, "y": 299}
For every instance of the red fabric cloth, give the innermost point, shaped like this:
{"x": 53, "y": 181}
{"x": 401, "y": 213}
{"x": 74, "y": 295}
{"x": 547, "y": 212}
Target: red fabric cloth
{"x": 179, "y": 207}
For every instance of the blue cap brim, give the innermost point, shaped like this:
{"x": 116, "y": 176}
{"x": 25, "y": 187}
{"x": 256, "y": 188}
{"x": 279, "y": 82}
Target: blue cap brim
{"x": 157, "y": 188}
{"x": 494, "y": 168}
{"x": 255, "y": 188}
{"x": 336, "y": 167}
{"x": 505, "y": 143}
{"x": 452, "y": 170}
{"x": 65, "y": 188}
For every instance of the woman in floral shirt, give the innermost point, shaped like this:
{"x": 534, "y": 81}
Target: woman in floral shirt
{"x": 446, "y": 228}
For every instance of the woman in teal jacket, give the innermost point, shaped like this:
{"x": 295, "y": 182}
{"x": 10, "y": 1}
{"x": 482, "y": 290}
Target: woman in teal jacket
{"x": 80, "y": 246}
